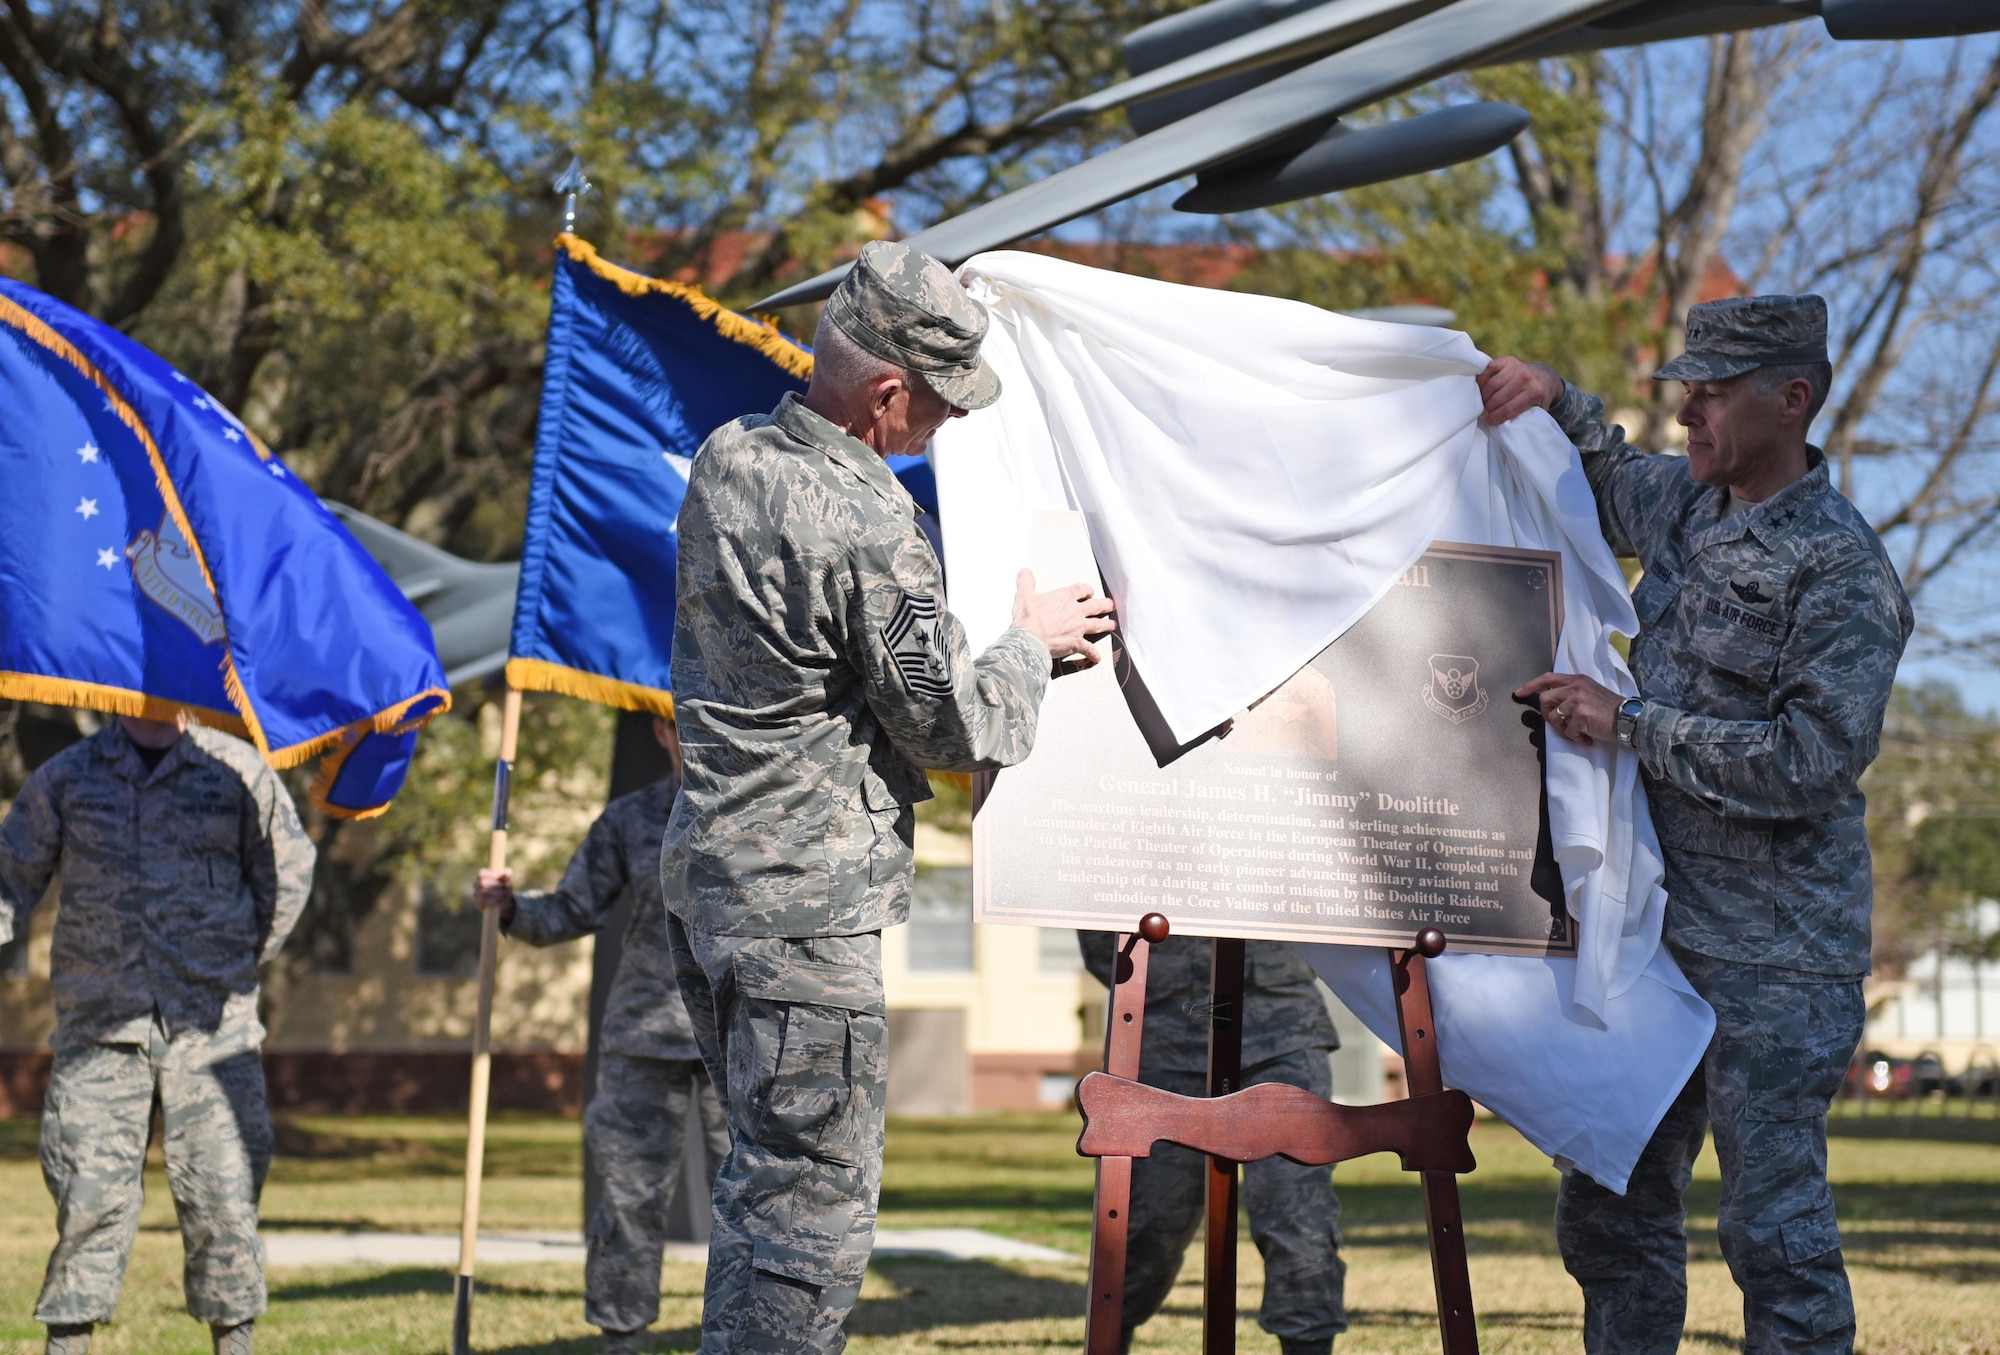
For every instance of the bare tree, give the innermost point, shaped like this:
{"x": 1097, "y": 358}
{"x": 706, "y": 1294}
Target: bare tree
{"x": 1892, "y": 215}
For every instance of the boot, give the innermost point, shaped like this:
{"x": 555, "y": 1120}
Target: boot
{"x": 72, "y": 1338}
{"x": 233, "y": 1340}
{"x": 624, "y": 1342}
{"x": 1291, "y": 1346}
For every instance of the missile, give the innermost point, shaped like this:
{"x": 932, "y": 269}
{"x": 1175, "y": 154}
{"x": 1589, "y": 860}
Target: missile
{"x": 1665, "y": 21}
{"x": 1348, "y": 157}
{"x": 1860, "y": 20}
{"x": 1438, "y": 43}
{"x": 1323, "y": 28}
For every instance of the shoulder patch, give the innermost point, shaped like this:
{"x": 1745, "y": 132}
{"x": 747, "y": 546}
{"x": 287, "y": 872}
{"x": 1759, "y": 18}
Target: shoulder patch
{"x": 911, "y": 637}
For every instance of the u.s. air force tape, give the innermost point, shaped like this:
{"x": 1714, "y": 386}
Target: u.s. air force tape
{"x": 913, "y": 641}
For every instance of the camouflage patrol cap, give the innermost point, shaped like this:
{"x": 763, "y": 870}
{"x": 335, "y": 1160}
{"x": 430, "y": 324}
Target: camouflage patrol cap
{"x": 905, "y": 307}
{"x": 1729, "y": 337}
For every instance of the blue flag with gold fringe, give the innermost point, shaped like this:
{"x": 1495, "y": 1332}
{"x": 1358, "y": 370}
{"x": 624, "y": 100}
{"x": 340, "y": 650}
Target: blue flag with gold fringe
{"x": 155, "y": 558}
{"x": 639, "y": 372}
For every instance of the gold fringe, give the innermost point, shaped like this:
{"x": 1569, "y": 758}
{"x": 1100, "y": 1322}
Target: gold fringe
{"x": 329, "y": 772}
{"x": 758, "y": 333}
{"x": 392, "y": 720}
{"x": 54, "y": 691}
{"x": 537, "y": 675}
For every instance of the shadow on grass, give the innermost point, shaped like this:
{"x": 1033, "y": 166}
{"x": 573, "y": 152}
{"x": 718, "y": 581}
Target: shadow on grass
{"x": 409, "y": 1282}
{"x": 961, "y": 1294}
{"x": 659, "y": 1339}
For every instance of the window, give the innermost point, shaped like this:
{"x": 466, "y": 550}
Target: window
{"x": 941, "y": 922}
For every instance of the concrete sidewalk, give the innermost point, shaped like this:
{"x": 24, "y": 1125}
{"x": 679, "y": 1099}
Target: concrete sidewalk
{"x": 288, "y": 1247}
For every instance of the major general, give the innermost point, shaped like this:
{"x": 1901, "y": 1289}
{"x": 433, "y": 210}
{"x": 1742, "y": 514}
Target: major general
{"x": 816, "y": 673}
{"x": 1771, "y": 624}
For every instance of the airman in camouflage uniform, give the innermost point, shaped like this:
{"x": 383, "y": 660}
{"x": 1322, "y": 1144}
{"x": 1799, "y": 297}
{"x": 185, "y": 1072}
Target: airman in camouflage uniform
{"x": 1294, "y": 1214}
{"x": 816, "y": 673}
{"x": 183, "y": 868}
{"x": 1771, "y": 623}
{"x": 651, "y": 1085}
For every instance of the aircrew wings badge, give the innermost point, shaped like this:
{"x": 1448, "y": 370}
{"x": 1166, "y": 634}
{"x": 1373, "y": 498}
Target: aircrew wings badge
{"x": 915, "y": 644}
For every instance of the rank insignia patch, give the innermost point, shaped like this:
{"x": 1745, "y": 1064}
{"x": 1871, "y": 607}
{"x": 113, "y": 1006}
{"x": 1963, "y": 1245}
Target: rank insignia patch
{"x": 918, "y": 650}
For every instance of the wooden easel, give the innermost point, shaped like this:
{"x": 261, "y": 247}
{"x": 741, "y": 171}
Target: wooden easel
{"x": 1123, "y": 1119}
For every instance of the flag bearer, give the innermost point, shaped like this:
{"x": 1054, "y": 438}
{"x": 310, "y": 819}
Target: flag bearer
{"x": 183, "y": 868}
{"x": 651, "y": 1086}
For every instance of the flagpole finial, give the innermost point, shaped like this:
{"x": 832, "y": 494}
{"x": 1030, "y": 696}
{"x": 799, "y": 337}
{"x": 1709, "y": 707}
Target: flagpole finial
{"x": 573, "y": 185}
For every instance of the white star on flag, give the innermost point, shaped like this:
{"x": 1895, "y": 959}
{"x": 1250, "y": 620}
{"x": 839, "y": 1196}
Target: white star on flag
{"x": 682, "y": 465}
{"x": 87, "y": 507}
{"x": 178, "y": 378}
{"x": 107, "y": 558}
{"x": 277, "y": 470}
{"x": 232, "y": 435}
{"x": 88, "y": 452}
{"x": 200, "y": 403}
{"x": 110, "y": 406}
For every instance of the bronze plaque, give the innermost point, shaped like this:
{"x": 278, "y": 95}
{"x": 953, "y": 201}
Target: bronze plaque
{"x": 1392, "y": 784}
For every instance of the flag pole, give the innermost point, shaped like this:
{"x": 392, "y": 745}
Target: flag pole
{"x": 482, "y": 1035}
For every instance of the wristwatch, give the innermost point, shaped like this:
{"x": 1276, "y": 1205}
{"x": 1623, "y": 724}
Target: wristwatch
{"x": 1629, "y": 712}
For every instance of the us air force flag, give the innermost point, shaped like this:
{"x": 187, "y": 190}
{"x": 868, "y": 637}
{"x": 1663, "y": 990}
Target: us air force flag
{"x": 639, "y": 372}
{"x": 155, "y": 557}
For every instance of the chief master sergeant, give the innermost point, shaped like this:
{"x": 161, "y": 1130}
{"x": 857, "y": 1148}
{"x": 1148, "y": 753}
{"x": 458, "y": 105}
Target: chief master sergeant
{"x": 816, "y": 673}
{"x": 183, "y": 868}
{"x": 1771, "y": 623}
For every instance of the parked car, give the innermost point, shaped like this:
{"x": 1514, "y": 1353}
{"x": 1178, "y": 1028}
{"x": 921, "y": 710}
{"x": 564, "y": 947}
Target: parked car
{"x": 1927, "y": 1075}
{"x": 1878, "y": 1076}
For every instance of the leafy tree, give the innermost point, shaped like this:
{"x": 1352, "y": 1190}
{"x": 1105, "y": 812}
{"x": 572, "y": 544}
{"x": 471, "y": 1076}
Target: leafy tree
{"x": 335, "y": 214}
{"x": 1934, "y": 824}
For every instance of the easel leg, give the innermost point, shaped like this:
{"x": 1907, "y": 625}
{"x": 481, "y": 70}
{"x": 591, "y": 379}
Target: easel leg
{"x": 1225, "y": 1075}
{"x": 1104, "y": 1327}
{"x": 1424, "y": 1075}
{"x": 1104, "y": 1320}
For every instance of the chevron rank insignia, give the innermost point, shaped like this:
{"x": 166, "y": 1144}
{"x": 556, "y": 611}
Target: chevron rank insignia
{"x": 914, "y": 643}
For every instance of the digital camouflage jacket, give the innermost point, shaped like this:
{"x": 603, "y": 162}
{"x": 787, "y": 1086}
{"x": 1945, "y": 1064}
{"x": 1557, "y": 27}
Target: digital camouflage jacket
{"x": 176, "y": 884}
{"x": 643, "y": 1014}
{"x": 816, "y": 674}
{"x": 1768, "y": 642}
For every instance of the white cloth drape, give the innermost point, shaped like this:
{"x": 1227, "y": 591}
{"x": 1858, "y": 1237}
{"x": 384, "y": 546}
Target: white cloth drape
{"x": 1256, "y": 473}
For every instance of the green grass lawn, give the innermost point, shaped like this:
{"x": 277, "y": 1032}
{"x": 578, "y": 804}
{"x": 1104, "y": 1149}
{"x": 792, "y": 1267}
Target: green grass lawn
{"x": 1922, "y": 1221}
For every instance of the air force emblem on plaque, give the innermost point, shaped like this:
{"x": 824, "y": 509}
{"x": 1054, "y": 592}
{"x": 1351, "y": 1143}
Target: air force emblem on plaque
{"x": 1454, "y": 691}
{"x": 917, "y": 647}
{"x": 167, "y": 572}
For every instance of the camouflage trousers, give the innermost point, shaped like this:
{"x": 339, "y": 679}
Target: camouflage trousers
{"x": 636, "y": 1127}
{"x": 795, "y": 1034}
{"x": 1294, "y": 1218}
{"x": 1782, "y": 1042}
{"x": 217, "y": 1143}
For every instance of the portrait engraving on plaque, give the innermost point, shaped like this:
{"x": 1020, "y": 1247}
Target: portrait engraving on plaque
{"x": 1390, "y": 784}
